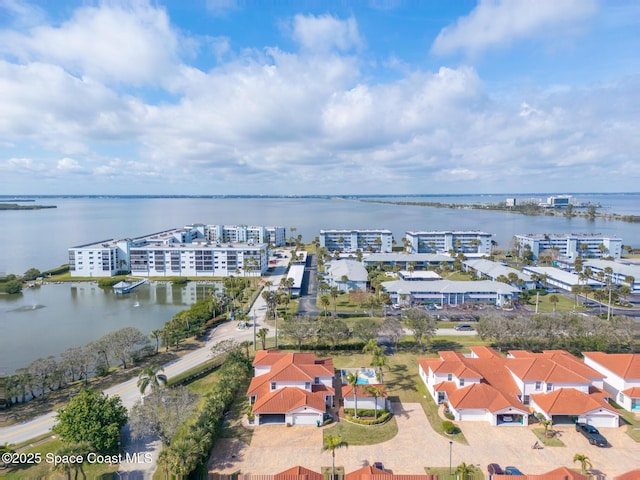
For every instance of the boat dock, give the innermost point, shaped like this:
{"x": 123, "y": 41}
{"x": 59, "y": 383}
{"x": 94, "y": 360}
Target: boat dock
{"x": 121, "y": 288}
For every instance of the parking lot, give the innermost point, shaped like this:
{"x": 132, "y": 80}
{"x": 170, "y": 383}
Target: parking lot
{"x": 275, "y": 448}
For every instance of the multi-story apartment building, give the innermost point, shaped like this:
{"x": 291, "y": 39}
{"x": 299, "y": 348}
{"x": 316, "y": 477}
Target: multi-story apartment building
{"x": 186, "y": 251}
{"x": 570, "y": 245}
{"x": 352, "y": 240}
{"x": 445, "y": 241}
{"x": 245, "y": 234}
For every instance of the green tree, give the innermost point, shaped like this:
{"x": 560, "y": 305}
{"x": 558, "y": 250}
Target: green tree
{"x": 13, "y": 286}
{"x": 31, "y": 274}
{"x": 421, "y": 324}
{"x": 151, "y": 375}
{"x": 585, "y": 462}
{"x": 324, "y": 303}
{"x": 93, "y": 418}
{"x": 554, "y": 299}
{"x": 376, "y": 392}
{"x": 331, "y": 444}
{"x": 262, "y": 335}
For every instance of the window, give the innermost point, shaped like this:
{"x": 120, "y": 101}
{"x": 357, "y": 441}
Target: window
{"x": 526, "y": 400}
{"x": 538, "y": 385}
{"x": 273, "y": 386}
{"x": 461, "y": 382}
{"x": 307, "y": 385}
{"x": 316, "y": 380}
{"x": 449, "y": 377}
{"x": 549, "y": 387}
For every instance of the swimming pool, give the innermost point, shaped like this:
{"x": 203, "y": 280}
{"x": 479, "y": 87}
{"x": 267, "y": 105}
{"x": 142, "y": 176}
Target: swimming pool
{"x": 366, "y": 376}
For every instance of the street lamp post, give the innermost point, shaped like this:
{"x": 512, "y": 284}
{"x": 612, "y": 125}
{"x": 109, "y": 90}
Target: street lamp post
{"x": 450, "y": 455}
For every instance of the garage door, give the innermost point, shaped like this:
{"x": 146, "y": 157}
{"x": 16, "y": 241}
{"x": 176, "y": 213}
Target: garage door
{"x": 305, "y": 419}
{"x": 600, "y": 421}
{"x": 272, "y": 419}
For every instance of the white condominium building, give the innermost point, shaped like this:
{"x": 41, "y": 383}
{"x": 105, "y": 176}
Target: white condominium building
{"x": 570, "y": 245}
{"x": 445, "y": 241}
{"x": 352, "y": 240}
{"x": 245, "y": 234}
{"x": 184, "y": 251}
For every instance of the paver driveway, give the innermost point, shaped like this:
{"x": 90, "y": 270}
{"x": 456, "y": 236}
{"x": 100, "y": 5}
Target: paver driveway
{"x": 275, "y": 448}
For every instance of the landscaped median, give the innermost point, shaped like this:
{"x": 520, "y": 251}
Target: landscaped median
{"x": 364, "y": 434}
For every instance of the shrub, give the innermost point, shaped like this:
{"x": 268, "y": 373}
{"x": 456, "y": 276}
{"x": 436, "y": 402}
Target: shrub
{"x": 449, "y": 415}
{"x": 363, "y": 412}
{"x": 383, "y": 417}
{"x": 450, "y": 428}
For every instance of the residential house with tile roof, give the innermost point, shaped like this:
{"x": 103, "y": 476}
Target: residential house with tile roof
{"x": 487, "y": 386}
{"x": 291, "y": 388}
{"x": 621, "y": 373}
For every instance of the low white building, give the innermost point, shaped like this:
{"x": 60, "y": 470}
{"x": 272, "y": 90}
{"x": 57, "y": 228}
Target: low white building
{"x": 560, "y": 278}
{"x": 346, "y": 275}
{"x": 494, "y": 270}
{"x": 448, "y": 292}
{"x": 622, "y": 273}
{"x": 420, "y": 261}
{"x": 296, "y": 272}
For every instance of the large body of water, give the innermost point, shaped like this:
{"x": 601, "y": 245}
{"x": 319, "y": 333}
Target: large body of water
{"x": 72, "y": 315}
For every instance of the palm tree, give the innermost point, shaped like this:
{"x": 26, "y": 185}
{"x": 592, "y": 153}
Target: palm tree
{"x": 151, "y": 376}
{"x": 156, "y": 334}
{"x": 325, "y": 302}
{"x": 546, "y": 424}
{"x": 331, "y": 444}
{"x": 262, "y": 335}
{"x": 352, "y": 379}
{"x": 585, "y": 463}
{"x": 465, "y": 470}
{"x": 334, "y": 292}
{"x": 376, "y": 392}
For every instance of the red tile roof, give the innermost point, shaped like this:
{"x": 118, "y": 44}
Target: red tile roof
{"x": 484, "y": 352}
{"x": 287, "y": 399}
{"x": 347, "y": 391}
{"x": 569, "y": 401}
{"x": 562, "y": 473}
{"x": 366, "y": 472}
{"x": 543, "y": 369}
{"x": 633, "y": 392}
{"x": 632, "y": 475}
{"x": 625, "y": 365}
{"x": 481, "y": 396}
{"x": 299, "y": 473}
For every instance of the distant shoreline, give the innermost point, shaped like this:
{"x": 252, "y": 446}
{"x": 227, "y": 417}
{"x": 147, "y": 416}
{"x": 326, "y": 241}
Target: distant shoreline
{"x": 15, "y": 206}
{"x": 502, "y": 208}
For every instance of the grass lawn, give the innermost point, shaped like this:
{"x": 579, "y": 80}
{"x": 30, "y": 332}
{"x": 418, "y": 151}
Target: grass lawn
{"x": 364, "y": 435}
{"x": 633, "y": 424}
{"x": 45, "y": 470}
{"x": 552, "y": 441}
{"x": 564, "y": 304}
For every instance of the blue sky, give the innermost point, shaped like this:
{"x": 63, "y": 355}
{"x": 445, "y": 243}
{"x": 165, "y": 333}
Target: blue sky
{"x": 319, "y": 97}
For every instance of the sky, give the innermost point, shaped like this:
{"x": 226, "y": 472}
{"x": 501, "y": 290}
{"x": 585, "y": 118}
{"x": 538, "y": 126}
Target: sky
{"x": 285, "y": 97}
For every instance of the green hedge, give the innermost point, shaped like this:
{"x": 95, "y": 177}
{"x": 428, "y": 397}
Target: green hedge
{"x": 366, "y": 421}
{"x": 450, "y": 427}
{"x": 365, "y": 412}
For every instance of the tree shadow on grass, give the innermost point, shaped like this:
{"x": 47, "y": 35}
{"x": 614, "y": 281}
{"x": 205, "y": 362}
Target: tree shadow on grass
{"x": 438, "y": 345}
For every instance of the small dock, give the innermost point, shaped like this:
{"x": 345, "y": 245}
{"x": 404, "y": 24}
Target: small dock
{"x": 121, "y": 288}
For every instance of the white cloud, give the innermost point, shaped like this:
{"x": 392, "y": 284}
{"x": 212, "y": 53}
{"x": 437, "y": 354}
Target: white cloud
{"x": 117, "y": 43}
{"x": 68, "y": 165}
{"x": 324, "y": 33}
{"x": 497, "y": 23}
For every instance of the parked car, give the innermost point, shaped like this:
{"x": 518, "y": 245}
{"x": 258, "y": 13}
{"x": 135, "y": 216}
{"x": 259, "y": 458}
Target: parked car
{"x": 592, "y": 434}
{"x": 378, "y": 465}
{"x": 495, "y": 469}
{"x": 510, "y": 470}
{"x": 507, "y": 418}
{"x": 463, "y": 326}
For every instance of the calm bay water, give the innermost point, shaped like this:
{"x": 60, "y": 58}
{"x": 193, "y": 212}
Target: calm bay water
{"x": 75, "y": 315}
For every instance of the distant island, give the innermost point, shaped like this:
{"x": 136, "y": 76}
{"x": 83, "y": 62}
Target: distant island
{"x": 15, "y": 206}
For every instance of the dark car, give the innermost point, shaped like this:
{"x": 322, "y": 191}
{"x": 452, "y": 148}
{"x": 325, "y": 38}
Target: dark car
{"x": 592, "y": 434}
{"x": 512, "y": 471}
{"x": 494, "y": 469}
{"x": 463, "y": 326}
